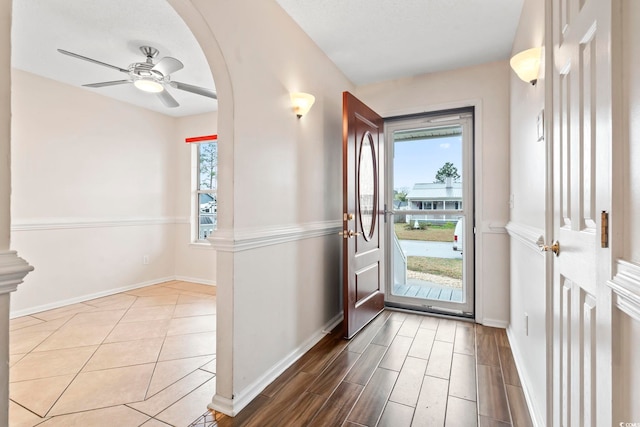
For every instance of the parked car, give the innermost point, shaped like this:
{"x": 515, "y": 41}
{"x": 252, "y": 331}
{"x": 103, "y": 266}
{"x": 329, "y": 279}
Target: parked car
{"x": 457, "y": 235}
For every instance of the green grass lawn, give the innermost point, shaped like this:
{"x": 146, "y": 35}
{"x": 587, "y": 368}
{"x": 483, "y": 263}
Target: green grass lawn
{"x": 432, "y": 233}
{"x": 447, "y": 267}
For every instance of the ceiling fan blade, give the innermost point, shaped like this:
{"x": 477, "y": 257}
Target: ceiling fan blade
{"x": 194, "y": 89}
{"x": 103, "y": 84}
{"x": 167, "y": 99}
{"x": 104, "y": 64}
{"x": 168, "y": 65}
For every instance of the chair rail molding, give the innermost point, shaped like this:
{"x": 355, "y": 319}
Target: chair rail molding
{"x": 530, "y": 236}
{"x": 626, "y": 288}
{"x": 13, "y": 269}
{"x": 38, "y": 224}
{"x": 247, "y": 239}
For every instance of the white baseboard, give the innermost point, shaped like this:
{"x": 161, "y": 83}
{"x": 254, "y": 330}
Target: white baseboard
{"x": 536, "y": 418}
{"x": 196, "y": 280}
{"x": 224, "y": 405}
{"x": 494, "y": 323}
{"x": 232, "y": 407}
{"x": 83, "y": 298}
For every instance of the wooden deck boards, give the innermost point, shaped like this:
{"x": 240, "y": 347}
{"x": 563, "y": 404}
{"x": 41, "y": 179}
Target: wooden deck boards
{"x": 428, "y": 292}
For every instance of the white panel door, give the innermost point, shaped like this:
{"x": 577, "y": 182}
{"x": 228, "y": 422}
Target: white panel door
{"x": 582, "y": 140}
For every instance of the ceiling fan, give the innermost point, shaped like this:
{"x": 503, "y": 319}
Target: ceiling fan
{"x": 150, "y": 77}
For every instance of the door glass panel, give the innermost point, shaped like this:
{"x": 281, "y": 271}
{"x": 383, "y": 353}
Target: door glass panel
{"x": 431, "y": 218}
{"x": 367, "y": 190}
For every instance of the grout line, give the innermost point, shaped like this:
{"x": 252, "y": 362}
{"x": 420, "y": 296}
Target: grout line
{"x": 475, "y": 356}
{"x": 504, "y": 385}
{"x": 155, "y": 365}
{"x": 29, "y": 410}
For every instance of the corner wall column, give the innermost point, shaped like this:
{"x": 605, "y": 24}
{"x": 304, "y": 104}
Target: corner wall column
{"x": 13, "y": 269}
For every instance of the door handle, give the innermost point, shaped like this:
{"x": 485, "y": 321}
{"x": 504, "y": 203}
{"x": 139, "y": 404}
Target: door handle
{"x": 555, "y": 248}
{"x": 347, "y": 234}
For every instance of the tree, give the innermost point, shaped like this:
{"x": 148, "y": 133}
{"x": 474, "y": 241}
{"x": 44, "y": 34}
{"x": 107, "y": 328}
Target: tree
{"x": 208, "y": 153}
{"x": 400, "y": 194}
{"x": 448, "y": 170}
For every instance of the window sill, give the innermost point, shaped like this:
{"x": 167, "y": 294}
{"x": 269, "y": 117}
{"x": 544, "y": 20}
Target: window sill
{"x": 201, "y": 245}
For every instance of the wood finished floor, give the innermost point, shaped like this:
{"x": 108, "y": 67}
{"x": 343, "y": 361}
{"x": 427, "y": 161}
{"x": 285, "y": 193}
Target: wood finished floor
{"x": 401, "y": 370}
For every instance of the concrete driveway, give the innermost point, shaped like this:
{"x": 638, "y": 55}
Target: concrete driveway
{"x": 429, "y": 249}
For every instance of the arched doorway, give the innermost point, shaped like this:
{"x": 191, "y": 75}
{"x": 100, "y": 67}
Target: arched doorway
{"x": 227, "y": 91}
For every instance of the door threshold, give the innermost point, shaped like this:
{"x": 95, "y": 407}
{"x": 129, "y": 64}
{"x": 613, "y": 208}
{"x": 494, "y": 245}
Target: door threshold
{"x": 467, "y": 317}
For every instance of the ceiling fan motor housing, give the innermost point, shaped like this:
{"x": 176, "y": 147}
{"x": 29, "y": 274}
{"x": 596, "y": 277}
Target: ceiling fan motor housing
{"x": 145, "y": 70}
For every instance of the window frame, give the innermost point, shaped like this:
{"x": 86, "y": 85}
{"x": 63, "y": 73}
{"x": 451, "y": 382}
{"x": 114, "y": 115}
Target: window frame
{"x": 196, "y": 191}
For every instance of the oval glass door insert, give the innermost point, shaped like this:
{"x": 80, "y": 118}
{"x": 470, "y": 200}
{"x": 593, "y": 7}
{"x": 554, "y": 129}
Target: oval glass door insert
{"x": 367, "y": 186}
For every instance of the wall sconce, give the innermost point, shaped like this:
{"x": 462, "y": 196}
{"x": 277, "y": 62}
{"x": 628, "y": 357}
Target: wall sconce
{"x": 302, "y": 103}
{"x": 526, "y": 64}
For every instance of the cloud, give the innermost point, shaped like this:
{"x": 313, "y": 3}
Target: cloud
{"x": 445, "y": 145}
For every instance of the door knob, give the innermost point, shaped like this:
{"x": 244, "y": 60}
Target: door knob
{"x": 555, "y": 248}
{"x": 347, "y": 234}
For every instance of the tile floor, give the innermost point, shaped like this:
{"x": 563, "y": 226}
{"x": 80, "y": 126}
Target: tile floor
{"x": 144, "y": 357}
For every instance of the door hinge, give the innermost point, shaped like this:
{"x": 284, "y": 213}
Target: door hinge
{"x": 604, "y": 230}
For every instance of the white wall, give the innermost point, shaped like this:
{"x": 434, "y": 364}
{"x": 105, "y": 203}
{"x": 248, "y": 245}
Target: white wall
{"x": 528, "y": 219}
{"x": 626, "y": 368}
{"x": 193, "y": 261}
{"x": 626, "y": 327}
{"x": 278, "y": 260}
{"x": 5, "y": 123}
{"x": 93, "y": 187}
{"x": 631, "y": 58}
{"x": 485, "y": 87}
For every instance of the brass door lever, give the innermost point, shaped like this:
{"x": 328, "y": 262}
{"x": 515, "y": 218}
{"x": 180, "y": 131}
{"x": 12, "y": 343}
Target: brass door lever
{"x": 347, "y": 234}
{"x": 555, "y": 248}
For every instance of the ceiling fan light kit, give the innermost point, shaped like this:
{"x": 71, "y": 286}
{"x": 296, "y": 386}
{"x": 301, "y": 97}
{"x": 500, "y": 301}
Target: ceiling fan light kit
{"x": 149, "y": 77}
{"x": 148, "y": 85}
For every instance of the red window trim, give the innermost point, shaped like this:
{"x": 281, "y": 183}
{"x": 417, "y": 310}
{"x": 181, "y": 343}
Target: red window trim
{"x": 201, "y": 138}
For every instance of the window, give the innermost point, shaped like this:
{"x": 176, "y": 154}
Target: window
{"x": 207, "y": 184}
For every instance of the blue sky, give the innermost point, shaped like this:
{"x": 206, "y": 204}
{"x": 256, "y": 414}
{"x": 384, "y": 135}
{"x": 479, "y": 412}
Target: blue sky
{"x": 419, "y": 161}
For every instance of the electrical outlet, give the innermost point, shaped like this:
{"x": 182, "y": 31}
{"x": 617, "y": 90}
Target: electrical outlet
{"x": 145, "y": 259}
{"x": 511, "y": 200}
{"x": 526, "y": 324}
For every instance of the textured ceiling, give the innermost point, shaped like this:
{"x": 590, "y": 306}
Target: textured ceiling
{"x": 378, "y": 40}
{"x": 369, "y": 40}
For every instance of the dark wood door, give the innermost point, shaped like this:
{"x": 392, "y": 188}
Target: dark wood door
{"x": 363, "y": 233}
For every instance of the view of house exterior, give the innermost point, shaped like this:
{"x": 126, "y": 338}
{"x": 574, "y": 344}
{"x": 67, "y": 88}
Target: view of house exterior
{"x": 207, "y": 215}
{"x": 434, "y": 197}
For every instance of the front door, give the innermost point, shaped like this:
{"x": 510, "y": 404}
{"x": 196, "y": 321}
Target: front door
{"x": 363, "y": 262}
{"x": 582, "y": 110}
